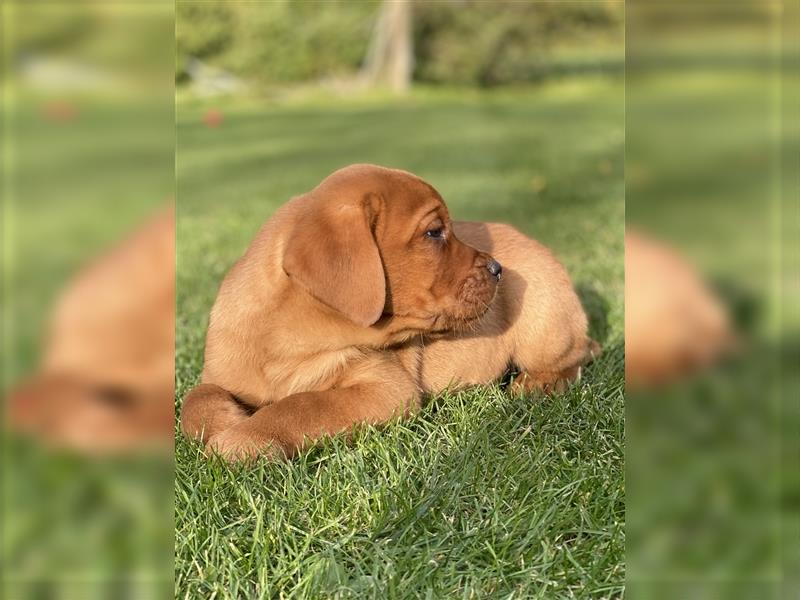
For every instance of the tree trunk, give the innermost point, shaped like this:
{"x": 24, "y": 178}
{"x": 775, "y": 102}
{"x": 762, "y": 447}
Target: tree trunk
{"x": 390, "y": 59}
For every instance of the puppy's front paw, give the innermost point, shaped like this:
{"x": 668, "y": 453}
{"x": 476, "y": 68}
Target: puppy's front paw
{"x": 545, "y": 383}
{"x": 239, "y": 446}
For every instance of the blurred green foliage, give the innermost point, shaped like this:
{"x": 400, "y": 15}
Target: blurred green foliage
{"x": 463, "y": 42}
{"x": 275, "y": 42}
{"x": 494, "y": 43}
{"x": 211, "y": 29}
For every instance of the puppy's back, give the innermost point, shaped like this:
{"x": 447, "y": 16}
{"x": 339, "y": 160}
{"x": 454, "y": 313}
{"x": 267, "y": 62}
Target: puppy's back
{"x": 547, "y": 326}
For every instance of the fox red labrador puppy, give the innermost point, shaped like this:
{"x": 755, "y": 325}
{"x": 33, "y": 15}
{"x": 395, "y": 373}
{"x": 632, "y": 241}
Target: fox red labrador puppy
{"x": 361, "y": 296}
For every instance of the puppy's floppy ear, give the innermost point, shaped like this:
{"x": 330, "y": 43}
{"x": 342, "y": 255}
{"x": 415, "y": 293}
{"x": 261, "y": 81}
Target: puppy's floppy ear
{"x": 332, "y": 254}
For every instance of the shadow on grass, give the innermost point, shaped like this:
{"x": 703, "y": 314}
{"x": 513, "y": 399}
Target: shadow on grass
{"x": 745, "y": 307}
{"x": 596, "y": 308}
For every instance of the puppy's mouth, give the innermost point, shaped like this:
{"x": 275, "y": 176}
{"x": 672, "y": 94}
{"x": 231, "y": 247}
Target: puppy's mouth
{"x": 472, "y": 302}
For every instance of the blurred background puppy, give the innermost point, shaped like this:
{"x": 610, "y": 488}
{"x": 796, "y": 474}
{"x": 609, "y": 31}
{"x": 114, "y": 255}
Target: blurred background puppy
{"x": 105, "y": 380}
{"x": 674, "y": 323}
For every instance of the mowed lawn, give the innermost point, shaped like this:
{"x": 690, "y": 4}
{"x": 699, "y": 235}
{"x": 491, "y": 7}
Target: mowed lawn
{"x": 483, "y": 495}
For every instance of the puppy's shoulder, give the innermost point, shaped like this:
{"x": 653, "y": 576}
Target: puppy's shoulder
{"x": 263, "y": 257}
{"x": 255, "y": 282}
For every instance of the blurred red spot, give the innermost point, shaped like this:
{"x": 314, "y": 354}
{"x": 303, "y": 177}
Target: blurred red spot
{"x": 59, "y": 111}
{"x": 213, "y": 118}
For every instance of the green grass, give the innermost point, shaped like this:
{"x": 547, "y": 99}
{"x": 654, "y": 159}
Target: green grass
{"x": 77, "y": 526}
{"x": 483, "y": 495}
{"x": 707, "y": 457}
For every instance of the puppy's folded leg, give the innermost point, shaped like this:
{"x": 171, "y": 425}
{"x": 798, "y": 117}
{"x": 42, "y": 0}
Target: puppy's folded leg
{"x": 545, "y": 382}
{"x": 208, "y": 410}
{"x": 295, "y": 422}
{"x": 557, "y": 378}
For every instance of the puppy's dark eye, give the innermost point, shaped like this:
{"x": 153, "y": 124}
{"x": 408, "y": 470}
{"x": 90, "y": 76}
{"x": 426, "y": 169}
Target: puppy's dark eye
{"x": 436, "y": 234}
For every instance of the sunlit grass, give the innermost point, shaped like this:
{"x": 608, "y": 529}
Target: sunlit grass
{"x": 482, "y": 495}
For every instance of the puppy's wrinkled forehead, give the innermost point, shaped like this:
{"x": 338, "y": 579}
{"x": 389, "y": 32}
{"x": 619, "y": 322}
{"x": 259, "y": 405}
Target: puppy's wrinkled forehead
{"x": 399, "y": 193}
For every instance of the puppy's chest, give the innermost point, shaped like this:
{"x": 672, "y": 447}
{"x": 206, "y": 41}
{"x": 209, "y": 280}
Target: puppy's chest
{"x": 292, "y": 375}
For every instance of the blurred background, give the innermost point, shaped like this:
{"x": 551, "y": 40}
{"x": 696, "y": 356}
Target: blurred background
{"x": 88, "y": 151}
{"x": 711, "y": 177}
{"x": 267, "y": 47}
{"x": 509, "y": 108}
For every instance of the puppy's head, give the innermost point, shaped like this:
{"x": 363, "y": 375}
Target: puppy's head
{"x": 377, "y": 244}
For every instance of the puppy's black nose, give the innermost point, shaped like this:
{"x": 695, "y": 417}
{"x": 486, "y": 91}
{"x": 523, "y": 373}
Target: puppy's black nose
{"x": 495, "y": 268}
